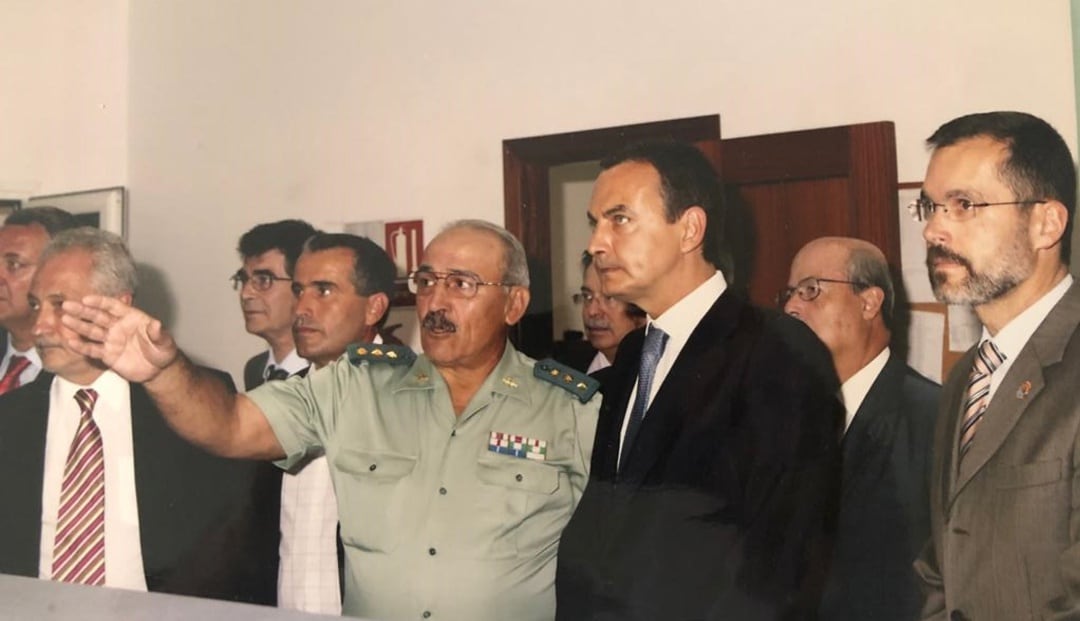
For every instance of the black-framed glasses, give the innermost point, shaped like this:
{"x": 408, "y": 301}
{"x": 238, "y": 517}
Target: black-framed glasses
{"x": 261, "y": 280}
{"x": 585, "y": 297}
{"x": 459, "y": 284}
{"x": 808, "y": 289}
{"x": 956, "y": 209}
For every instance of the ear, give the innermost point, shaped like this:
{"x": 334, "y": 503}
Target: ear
{"x": 872, "y": 298}
{"x": 126, "y": 298}
{"x": 377, "y": 305}
{"x": 516, "y": 303}
{"x": 1048, "y": 224}
{"x": 693, "y": 222}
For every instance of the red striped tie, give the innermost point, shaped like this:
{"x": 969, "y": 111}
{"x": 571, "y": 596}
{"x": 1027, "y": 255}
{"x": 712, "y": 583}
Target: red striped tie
{"x": 79, "y": 553}
{"x": 16, "y": 366}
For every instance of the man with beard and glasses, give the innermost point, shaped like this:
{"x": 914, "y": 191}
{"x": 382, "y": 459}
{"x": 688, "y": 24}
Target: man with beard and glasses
{"x": 455, "y": 470}
{"x": 998, "y": 202}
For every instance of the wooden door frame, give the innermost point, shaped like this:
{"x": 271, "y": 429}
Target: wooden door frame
{"x": 527, "y": 164}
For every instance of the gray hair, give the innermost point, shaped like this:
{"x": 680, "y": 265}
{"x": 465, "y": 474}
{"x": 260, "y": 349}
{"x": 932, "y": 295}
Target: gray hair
{"x": 113, "y": 268}
{"x": 868, "y": 268}
{"x": 515, "y": 267}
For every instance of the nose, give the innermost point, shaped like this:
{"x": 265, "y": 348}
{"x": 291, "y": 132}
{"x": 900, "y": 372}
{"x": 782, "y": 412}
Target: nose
{"x": 304, "y": 306}
{"x": 794, "y": 305}
{"x": 598, "y": 241}
{"x": 935, "y": 230}
{"x": 594, "y": 308}
{"x": 43, "y": 321}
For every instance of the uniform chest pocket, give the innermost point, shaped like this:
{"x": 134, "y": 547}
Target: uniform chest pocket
{"x": 1028, "y": 475}
{"x": 523, "y": 504}
{"x": 372, "y": 497}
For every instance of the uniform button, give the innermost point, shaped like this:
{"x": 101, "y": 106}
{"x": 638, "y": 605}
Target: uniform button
{"x": 431, "y": 551}
{"x": 442, "y": 490}
{"x": 372, "y": 467}
{"x": 453, "y": 433}
{"x": 427, "y": 614}
{"x": 519, "y": 478}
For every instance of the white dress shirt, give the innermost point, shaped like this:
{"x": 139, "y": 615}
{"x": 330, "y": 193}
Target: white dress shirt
{"x": 855, "y": 389}
{"x": 599, "y": 361}
{"x": 292, "y": 364}
{"x": 308, "y": 577}
{"x": 30, "y": 372}
{"x": 112, "y": 413}
{"x": 1012, "y": 338}
{"x": 679, "y": 322}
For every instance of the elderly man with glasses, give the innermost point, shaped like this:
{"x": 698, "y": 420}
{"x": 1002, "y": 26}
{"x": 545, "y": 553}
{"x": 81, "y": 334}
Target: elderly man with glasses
{"x": 842, "y": 289}
{"x": 455, "y": 470}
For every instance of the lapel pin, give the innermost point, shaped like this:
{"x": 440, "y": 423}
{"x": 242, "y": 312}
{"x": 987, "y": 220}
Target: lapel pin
{"x": 1024, "y": 390}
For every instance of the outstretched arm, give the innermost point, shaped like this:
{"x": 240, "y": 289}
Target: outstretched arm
{"x": 194, "y": 403}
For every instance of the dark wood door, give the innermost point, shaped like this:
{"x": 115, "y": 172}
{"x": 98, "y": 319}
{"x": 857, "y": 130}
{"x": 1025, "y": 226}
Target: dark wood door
{"x": 785, "y": 190}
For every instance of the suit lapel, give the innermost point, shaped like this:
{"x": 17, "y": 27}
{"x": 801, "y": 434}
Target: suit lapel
{"x": 620, "y": 378}
{"x": 874, "y": 425}
{"x": 1020, "y": 386}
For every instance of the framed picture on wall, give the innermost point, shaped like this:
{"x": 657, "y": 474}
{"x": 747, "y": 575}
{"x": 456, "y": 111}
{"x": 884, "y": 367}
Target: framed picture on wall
{"x": 105, "y": 209}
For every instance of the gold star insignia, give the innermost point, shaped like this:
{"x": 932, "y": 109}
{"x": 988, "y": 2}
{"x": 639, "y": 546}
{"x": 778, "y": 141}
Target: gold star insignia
{"x": 377, "y": 353}
{"x": 360, "y": 351}
{"x": 510, "y": 381}
{"x": 421, "y": 377}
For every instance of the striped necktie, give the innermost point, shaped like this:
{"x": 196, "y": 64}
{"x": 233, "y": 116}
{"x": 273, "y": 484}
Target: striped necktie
{"x": 79, "y": 552}
{"x": 16, "y": 366}
{"x": 987, "y": 359}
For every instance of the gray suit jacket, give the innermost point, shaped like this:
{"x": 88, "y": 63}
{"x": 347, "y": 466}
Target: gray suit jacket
{"x": 1004, "y": 529}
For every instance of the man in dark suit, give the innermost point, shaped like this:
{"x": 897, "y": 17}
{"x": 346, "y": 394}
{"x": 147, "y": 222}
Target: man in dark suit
{"x": 269, "y": 252}
{"x": 22, "y": 238}
{"x": 165, "y": 516}
{"x": 998, "y": 201}
{"x": 714, "y": 500}
{"x": 842, "y": 289}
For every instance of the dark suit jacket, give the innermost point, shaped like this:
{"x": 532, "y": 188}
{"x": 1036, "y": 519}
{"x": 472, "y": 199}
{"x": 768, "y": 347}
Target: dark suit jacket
{"x": 1005, "y": 524}
{"x": 885, "y": 495}
{"x": 722, "y": 508}
{"x": 197, "y": 518}
{"x": 253, "y": 371}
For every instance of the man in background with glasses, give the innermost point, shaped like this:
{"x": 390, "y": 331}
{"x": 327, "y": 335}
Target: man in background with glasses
{"x": 842, "y": 289}
{"x": 606, "y": 319}
{"x": 22, "y": 238}
{"x": 455, "y": 470}
{"x": 268, "y": 252}
{"x": 998, "y": 201}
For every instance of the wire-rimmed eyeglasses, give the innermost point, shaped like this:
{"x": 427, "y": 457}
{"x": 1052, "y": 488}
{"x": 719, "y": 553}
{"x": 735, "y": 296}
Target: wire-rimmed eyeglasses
{"x": 459, "y": 284}
{"x": 808, "y": 289}
{"x": 260, "y": 281}
{"x": 956, "y": 209}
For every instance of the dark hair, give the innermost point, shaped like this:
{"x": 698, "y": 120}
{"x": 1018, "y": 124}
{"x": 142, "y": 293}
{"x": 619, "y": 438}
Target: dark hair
{"x": 1039, "y": 165}
{"x": 373, "y": 271}
{"x": 867, "y": 269}
{"x": 687, "y": 179}
{"x": 285, "y": 236}
{"x": 632, "y": 310}
{"x": 52, "y": 219}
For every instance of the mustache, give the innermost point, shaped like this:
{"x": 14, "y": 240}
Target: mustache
{"x": 303, "y": 322}
{"x": 936, "y": 252}
{"x": 597, "y": 325}
{"x": 436, "y": 320}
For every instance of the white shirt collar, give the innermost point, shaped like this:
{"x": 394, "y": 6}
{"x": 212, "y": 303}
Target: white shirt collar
{"x": 1012, "y": 338}
{"x": 682, "y": 318}
{"x": 855, "y": 389}
{"x": 292, "y": 363}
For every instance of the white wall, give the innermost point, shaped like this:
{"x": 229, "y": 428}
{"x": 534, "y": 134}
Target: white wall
{"x": 241, "y": 111}
{"x": 64, "y": 107}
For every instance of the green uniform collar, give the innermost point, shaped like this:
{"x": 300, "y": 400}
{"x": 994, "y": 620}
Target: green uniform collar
{"x": 510, "y": 377}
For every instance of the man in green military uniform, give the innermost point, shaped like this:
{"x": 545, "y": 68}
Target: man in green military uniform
{"x": 455, "y": 470}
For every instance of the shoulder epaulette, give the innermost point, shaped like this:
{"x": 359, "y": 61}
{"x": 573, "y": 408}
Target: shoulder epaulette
{"x": 380, "y": 352}
{"x": 571, "y": 380}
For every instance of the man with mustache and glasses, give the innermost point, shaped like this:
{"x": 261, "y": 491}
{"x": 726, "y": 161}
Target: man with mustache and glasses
{"x": 998, "y": 202}
{"x": 606, "y": 319}
{"x": 455, "y": 471}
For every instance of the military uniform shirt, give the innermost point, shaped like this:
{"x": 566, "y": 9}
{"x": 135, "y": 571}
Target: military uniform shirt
{"x": 442, "y": 517}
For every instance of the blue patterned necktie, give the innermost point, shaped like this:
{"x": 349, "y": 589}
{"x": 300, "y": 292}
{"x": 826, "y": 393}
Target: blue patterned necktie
{"x": 651, "y": 351}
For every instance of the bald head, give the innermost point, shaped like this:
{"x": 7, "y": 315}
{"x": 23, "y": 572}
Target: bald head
{"x": 852, "y": 298}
